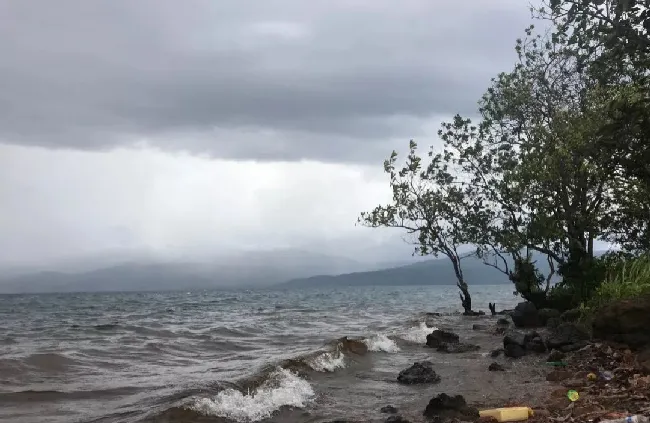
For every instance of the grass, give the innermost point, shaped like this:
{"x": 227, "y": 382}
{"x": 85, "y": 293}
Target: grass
{"x": 628, "y": 279}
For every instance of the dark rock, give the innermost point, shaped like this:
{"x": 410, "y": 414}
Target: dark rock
{"x": 553, "y": 322}
{"x": 419, "y": 372}
{"x": 514, "y": 337}
{"x": 496, "y": 367}
{"x": 500, "y": 330}
{"x": 389, "y": 409}
{"x": 574, "y": 347}
{"x": 625, "y": 321}
{"x": 474, "y": 313}
{"x": 526, "y": 315}
{"x": 529, "y": 336}
{"x": 571, "y": 316}
{"x": 397, "y": 419}
{"x": 566, "y": 334}
{"x": 556, "y": 355}
{"x": 496, "y": 353}
{"x": 477, "y": 326}
{"x": 547, "y": 313}
{"x": 536, "y": 345}
{"x": 503, "y": 321}
{"x": 437, "y": 337}
{"x": 457, "y": 348}
{"x": 433, "y": 314}
{"x": 514, "y": 351}
{"x": 444, "y": 406}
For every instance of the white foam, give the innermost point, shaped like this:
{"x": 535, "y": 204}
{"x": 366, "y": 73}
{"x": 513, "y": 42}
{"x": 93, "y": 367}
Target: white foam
{"x": 381, "y": 343}
{"x": 283, "y": 388}
{"x": 327, "y": 362}
{"x": 417, "y": 334}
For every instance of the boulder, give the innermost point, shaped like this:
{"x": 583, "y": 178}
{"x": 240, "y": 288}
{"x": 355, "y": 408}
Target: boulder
{"x": 389, "y": 409}
{"x": 571, "y": 316}
{"x": 547, "y": 313}
{"x": 444, "y": 407}
{"x": 567, "y": 335}
{"x": 536, "y": 345}
{"x": 420, "y": 372}
{"x": 625, "y": 321}
{"x": 503, "y": 322}
{"x": 525, "y": 315}
{"x": 514, "y": 337}
{"x": 553, "y": 322}
{"x": 496, "y": 367}
{"x": 438, "y": 336}
{"x": 514, "y": 351}
{"x": 457, "y": 348}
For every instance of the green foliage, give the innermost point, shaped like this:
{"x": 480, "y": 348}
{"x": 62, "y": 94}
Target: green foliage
{"x": 626, "y": 278}
{"x": 529, "y": 282}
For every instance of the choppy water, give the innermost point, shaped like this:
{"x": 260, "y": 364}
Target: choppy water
{"x": 235, "y": 356}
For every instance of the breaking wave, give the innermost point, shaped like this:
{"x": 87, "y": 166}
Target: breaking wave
{"x": 417, "y": 334}
{"x": 381, "y": 343}
{"x": 327, "y": 362}
{"x": 282, "y": 389}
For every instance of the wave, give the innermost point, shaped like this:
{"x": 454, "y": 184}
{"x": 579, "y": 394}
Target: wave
{"x": 327, "y": 362}
{"x": 381, "y": 343}
{"x": 283, "y": 389}
{"x": 417, "y": 334}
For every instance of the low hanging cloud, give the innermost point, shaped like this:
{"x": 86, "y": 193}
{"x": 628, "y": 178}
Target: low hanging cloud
{"x": 335, "y": 81}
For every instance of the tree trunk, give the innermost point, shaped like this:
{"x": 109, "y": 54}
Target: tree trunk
{"x": 465, "y": 297}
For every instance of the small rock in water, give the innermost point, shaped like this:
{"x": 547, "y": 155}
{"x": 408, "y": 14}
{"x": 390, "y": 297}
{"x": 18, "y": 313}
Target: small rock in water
{"x": 437, "y": 337}
{"x": 477, "y": 326}
{"x": 457, "y": 348}
{"x": 496, "y": 353}
{"x": 419, "y": 372}
{"x": 496, "y": 367}
{"x": 444, "y": 406}
{"x": 397, "y": 419}
{"x": 389, "y": 409}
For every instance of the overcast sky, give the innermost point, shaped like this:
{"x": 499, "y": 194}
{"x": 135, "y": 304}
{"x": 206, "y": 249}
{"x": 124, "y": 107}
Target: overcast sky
{"x": 216, "y": 125}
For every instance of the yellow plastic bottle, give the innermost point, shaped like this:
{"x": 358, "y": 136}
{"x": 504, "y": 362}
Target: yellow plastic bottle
{"x": 508, "y": 414}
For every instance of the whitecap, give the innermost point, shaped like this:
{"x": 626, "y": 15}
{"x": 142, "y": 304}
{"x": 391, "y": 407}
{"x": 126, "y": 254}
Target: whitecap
{"x": 417, "y": 334}
{"x": 282, "y": 389}
{"x": 381, "y": 343}
{"x": 327, "y": 362}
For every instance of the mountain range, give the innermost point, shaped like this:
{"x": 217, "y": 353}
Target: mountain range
{"x": 295, "y": 270}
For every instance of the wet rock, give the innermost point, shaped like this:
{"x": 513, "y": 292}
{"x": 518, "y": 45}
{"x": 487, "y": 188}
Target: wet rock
{"x": 438, "y": 337}
{"x": 565, "y": 335}
{"x": 352, "y": 345}
{"x": 457, "y": 348}
{"x": 553, "y": 322}
{"x": 500, "y": 330}
{"x": 625, "y": 321}
{"x": 420, "y": 372}
{"x": 433, "y": 314}
{"x": 514, "y": 351}
{"x": 547, "y": 313}
{"x": 496, "y": 367}
{"x": 474, "y": 313}
{"x": 389, "y": 409}
{"x": 536, "y": 345}
{"x": 444, "y": 407}
{"x": 397, "y": 419}
{"x": 571, "y": 316}
{"x": 477, "y": 326}
{"x": 556, "y": 356}
{"x": 503, "y": 322}
{"x": 514, "y": 337}
{"x": 496, "y": 353}
{"x": 525, "y": 315}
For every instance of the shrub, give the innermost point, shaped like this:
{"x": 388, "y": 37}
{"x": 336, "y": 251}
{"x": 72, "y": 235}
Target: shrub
{"x": 626, "y": 278}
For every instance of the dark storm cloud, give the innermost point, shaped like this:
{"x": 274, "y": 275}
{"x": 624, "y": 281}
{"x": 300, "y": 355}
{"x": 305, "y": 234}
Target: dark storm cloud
{"x": 280, "y": 79}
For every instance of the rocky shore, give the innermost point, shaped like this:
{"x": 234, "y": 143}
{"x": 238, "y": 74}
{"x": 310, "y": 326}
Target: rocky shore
{"x": 589, "y": 371}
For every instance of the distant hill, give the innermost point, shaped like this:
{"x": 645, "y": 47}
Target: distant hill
{"x": 431, "y": 272}
{"x": 260, "y": 269}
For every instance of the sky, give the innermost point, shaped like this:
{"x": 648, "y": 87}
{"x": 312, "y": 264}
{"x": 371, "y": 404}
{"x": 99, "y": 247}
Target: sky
{"x": 200, "y": 127}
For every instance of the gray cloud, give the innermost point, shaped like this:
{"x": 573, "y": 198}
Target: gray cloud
{"x": 280, "y": 79}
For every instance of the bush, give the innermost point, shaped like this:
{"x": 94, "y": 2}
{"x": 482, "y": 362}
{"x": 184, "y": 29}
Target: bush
{"x": 626, "y": 278}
